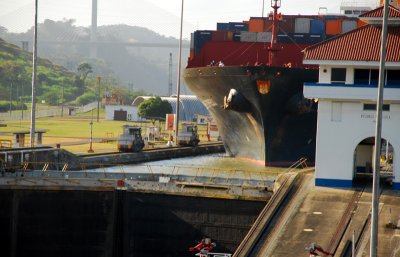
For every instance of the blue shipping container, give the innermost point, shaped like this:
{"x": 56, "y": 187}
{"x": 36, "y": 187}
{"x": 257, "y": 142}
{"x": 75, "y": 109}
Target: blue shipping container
{"x": 284, "y": 38}
{"x": 222, "y": 26}
{"x": 300, "y": 38}
{"x": 200, "y": 38}
{"x": 317, "y": 27}
{"x": 238, "y": 26}
{"x": 236, "y": 36}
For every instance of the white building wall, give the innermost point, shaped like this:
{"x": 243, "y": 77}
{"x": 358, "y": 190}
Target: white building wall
{"x": 337, "y": 140}
{"x": 324, "y": 74}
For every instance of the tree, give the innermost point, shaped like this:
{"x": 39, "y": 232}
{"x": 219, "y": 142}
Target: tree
{"x": 154, "y": 108}
{"x": 84, "y": 69}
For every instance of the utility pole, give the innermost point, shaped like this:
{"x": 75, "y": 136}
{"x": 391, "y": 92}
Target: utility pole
{"x": 170, "y": 75}
{"x": 62, "y": 100}
{"x": 33, "y": 108}
{"x": 22, "y": 100}
{"x": 98, "y": 97}
{"x": 378, "y": 132}
{"x": 91, "y": 135}
{"x": 11, "y": 86}
{"x": 178, "y": 87}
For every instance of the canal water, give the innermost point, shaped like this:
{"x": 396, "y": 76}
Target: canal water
{"x": 216, "y": 161}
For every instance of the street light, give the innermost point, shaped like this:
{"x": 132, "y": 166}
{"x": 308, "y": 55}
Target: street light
{"x": 98, "y": 98}
{"x": 91, "y": 135}
{"x": 178, "y": 86}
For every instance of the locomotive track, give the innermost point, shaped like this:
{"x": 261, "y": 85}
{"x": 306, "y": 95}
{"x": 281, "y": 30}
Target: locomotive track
{"x": 272, "y": 217}
{"x": 339, "y": 234}
{"x": 148, "y": 150}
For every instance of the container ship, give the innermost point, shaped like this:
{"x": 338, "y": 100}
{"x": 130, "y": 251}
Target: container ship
{"x": 250, "y": 77}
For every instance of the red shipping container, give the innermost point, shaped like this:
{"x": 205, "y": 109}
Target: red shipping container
{"x": 268, "y": 26}
{"x": 229, "y": 35}
{"x": 361, "y": 23}
{"x": 333, "y": 27}
{"x": 287, "y": 24}
{"x": 256, "y": 25}
{"x": 191, "y": 54}
{"x": 219, "y": 36}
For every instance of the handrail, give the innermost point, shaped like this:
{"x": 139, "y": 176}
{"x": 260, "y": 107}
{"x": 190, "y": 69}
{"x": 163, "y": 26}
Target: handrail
{"x": 302, "y": 161}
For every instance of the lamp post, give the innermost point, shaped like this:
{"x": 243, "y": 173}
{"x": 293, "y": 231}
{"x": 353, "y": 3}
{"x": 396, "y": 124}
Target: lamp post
{"x": 11, "y": 86}
{"x": 178, "y": 87}
{"x": 33, "y": 108}
{"x": 91, "y": 135}
{"x": 378, "y": 133}
{"x": 98, "y": 97}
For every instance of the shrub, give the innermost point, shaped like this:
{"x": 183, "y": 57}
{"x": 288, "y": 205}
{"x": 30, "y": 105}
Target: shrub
{"x": 5, "y": 106}
{"x": 86, "y": 98}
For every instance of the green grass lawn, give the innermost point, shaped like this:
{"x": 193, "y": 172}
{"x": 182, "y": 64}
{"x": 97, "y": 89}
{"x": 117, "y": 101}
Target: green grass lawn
{"x": 73, "y": 132}
{"x": 69, "y": 127}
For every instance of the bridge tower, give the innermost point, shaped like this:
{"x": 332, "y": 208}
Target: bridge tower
{"x": 93, "y": 31}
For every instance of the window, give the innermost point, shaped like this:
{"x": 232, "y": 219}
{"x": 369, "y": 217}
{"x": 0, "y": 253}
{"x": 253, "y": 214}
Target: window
{"x": 372, "y": 107}
{"x": 338, "y": 75}
{"x": 366, "y": 76}
{"x": 393, "y": 77}
{"x": 336, "y": 114}
{"x": 361, "y": 76}
{"x": 374, "y": 78}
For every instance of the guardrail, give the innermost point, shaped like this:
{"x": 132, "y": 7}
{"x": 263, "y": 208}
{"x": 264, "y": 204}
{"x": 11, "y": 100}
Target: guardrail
{"x": 191, "y": 175}
{"x": 54, "y": 111}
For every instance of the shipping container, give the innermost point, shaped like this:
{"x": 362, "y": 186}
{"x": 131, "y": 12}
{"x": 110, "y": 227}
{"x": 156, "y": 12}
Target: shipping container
{"x": 191, "y": 41}
{"x": 302, "y": 25}
{"x": 246, "y": 36}
{"x": 317, "y": 27}
{"x": 361, "y": 23}
{"x": 286, "y": 25}
{"x": 192, "y": 55}
{"x": 229, "y": 36}
{"x": 222, "y": 26}
{"x": 264, "y": 36}
{"x": 284, "y": 38}
{"x": 256, "y": 25}
{"x": 238, "y": 26}
{"x": 219, "y": 36}
{"x": 304, "y": 38}
{"x": 268, "y": 26}
{"x": 315, "y": 38}
{"x": 236, "y": 36}
{"x": 348, "y": 25}
{"x": 333, "y": 27}
{"x": 200, "y": 38}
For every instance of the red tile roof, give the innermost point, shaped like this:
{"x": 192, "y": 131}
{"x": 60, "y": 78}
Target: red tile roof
{"x": 378, "y": 13}
{"x": 362, "y": 44}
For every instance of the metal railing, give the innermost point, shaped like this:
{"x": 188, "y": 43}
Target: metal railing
{"x": 191, "y": 175}
{"x": 300, "y": 162}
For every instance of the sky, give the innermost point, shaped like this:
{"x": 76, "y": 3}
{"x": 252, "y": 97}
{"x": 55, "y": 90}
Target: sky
{"x": 161, "y": 16}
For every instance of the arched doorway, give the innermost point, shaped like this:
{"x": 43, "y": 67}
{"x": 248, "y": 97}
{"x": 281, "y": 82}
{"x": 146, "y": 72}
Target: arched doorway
{"x": 364, "y": 159}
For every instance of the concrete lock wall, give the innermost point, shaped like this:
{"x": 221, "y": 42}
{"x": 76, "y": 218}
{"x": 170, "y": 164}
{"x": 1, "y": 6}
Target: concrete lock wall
{"x": 117, "y": 223}
{"x": 338, "y": 135}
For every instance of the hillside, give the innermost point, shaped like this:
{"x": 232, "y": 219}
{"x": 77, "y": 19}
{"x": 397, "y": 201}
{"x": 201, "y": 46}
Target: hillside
{"x": 136, "y": 67}
{"x": 16, "y": 75}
